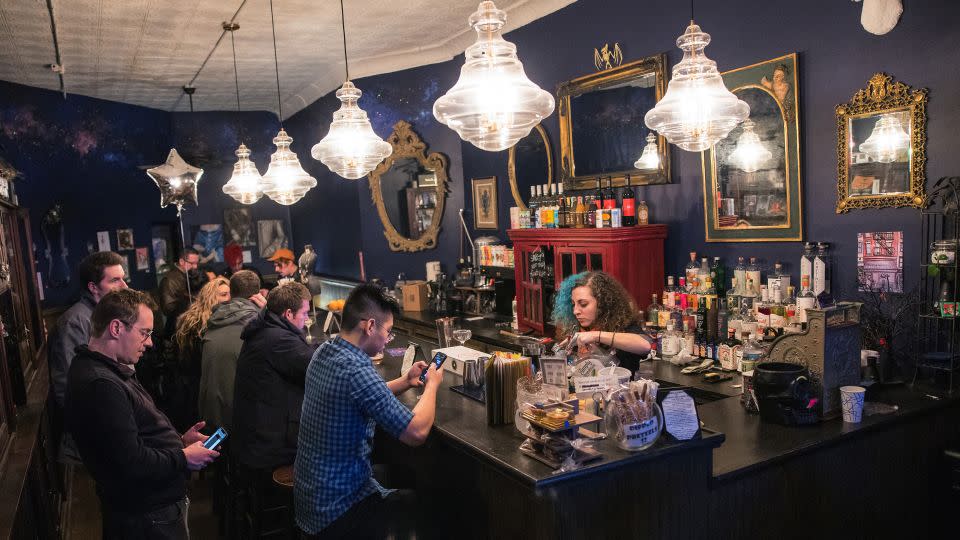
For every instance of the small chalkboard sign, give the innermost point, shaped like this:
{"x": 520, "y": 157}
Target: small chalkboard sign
{"x": 681, "y": 421}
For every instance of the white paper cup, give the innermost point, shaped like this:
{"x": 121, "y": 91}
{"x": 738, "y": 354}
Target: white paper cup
{"x": 851, "y": 400}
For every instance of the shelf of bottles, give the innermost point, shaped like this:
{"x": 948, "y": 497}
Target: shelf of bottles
{"x": 938, "y": 327}
{"x": 550, "y": 208}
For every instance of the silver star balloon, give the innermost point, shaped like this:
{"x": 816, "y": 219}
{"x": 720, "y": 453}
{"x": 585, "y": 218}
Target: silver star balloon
{"x": 177, "y": 181}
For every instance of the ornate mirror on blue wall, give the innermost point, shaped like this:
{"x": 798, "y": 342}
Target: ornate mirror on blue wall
{"x": 602, "y": 132}
{"x": 409, "y": 189}
{"x": 530, "y": 163}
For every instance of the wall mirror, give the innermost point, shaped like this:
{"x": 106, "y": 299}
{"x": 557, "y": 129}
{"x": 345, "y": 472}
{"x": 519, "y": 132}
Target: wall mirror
{"x": 881, "y": 146}
{"x": 602, "y": 132}
{"x": 530, "y": 164}
{"x": 409, "y": 189}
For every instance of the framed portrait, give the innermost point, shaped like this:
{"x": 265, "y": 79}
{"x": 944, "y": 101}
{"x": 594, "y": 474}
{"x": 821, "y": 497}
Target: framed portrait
{"x": 751, "y": 179}
{"x": 143, "y": 259}
{"x": 485, "y": 203}
{"x": 238, "y": 227}
{"x": 272, "y": 236}
{"x": 124, "y": 239}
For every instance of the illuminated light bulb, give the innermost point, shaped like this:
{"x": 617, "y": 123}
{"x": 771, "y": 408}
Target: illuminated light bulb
{"x": 887, "y": 140}
{"x": 750, "y": 153}
{"x": 285, "y": 181}
{"x": 351, "y": 148}
{"x": 244, "y": 184}
{"x": 697, "y": 109}
{"x": 493, "y": 104}
{"x": 649, "y": 159}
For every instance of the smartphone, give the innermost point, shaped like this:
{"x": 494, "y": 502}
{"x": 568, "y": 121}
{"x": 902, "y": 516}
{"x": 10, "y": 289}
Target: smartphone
{"x": 438, "y": 361}
{"x": 214, "y": 440}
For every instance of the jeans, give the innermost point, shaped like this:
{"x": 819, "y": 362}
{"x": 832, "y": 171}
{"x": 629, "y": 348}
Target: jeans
{"x": 164, "y": 523}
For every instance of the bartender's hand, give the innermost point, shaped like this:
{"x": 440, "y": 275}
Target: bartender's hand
{"x": 413, "y": 376}
{"x": 193, "y": 434}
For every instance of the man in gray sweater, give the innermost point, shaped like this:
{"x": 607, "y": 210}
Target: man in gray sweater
{"x": 221, "y": 347}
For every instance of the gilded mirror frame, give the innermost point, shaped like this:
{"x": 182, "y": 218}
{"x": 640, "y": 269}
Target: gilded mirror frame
{"x": 656, "y": 64}
{"x": 407, "y": 144}
{"x": 512, "y": 166}
{"x": 883, "y": 95}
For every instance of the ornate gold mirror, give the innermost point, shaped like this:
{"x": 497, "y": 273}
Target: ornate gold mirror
{"x": 602, "y": 132}
{"x": 530, "y": 164}
{"x": 409, "y": 189}
{"x": 881, "y": 146}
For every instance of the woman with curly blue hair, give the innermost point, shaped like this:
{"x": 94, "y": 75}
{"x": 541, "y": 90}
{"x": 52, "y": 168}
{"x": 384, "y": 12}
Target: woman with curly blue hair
{"x": 594, "y": 308}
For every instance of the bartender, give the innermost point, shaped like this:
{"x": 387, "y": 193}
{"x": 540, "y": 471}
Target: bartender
{"x": 284, "y": 265}
{"x": 594, "y": 309}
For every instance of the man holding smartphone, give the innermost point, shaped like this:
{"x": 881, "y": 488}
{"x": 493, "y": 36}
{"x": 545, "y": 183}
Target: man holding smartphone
{"x": 335, "y": 493}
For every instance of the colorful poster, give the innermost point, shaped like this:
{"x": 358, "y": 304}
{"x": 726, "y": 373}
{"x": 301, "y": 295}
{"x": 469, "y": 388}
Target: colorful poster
{"x": 880, "y": 261}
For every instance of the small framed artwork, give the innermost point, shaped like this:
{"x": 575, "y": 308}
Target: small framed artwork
{"x": 143, "y": 259}
{"x": 124, "y": 239}
{"x": 427, "y": 179}
{"x": 273, "y": 236}
{"x": 485, "y": 203}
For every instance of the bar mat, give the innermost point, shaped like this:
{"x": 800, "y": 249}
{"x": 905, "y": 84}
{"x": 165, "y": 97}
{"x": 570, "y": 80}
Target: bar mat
{"x": 476, "y": 394}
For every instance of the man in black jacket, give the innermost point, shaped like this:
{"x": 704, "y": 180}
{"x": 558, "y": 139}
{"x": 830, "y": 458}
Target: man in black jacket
{"x": 271, "y": 371}
{"x": 140, "y": 463}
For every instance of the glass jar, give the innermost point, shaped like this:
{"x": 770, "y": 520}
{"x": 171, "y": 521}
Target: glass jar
{"x": 627, "y": 430}
{"x": 943, "y": 251}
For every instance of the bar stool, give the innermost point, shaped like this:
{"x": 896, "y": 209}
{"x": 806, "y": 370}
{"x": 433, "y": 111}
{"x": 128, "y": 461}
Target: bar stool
{"x": 283, "y": 480}
{"x": 265, "y": 508}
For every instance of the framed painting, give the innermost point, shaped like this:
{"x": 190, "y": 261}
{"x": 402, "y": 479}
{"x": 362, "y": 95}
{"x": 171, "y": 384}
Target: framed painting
{"x": 485, "y": 203}
{"x": 751, "y": 179}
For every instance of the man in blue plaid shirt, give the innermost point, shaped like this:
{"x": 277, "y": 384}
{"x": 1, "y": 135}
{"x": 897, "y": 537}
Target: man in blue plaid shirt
{"x": 335, "y": 493}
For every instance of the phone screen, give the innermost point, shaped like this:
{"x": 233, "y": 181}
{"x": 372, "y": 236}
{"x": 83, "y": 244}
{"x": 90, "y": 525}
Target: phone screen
{"x": 438, "y": 361}
{"x": 214, "y": 440}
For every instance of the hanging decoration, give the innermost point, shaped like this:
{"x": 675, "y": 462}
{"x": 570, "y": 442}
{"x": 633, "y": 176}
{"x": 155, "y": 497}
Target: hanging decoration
{"x": 649, "y": 159}
{"x": 177, "y": 181}
{"x": 493, "y": 104}
{"x": 697, "y": 110}
{"x": 285, "y": 181}
{"x": 750, "y": 154}
{"x": 351, "y": 148}
{"x": 244, "y": 184}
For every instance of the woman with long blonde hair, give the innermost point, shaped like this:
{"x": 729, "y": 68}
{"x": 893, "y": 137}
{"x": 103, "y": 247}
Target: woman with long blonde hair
{"x": 189, "y": 341}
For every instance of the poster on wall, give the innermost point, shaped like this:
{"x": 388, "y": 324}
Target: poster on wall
{"x": 272, "y": 236}
{"x": 103, "y": 240}
{"x": 880, "y": 261}
{"x": 238, "y": 226}
{"x": 208, "y": 241}
{"x": 143, "y": 259}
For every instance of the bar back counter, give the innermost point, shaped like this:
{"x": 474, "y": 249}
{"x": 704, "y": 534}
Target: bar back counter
{"x": 883, "y": 478}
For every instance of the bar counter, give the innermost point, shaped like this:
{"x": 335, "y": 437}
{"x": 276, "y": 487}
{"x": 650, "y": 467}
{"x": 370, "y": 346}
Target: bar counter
{"x": 725, "y": 485}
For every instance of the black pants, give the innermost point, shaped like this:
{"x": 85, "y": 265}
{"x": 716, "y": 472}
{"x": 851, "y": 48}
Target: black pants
{"x": 165, "y": 523}
{"x": 396, "y": 516}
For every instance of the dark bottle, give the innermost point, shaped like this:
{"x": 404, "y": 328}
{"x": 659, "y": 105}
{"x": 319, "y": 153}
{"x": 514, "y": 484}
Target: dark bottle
{"x": 609, "y": 197}
{"x": 629, "y": 204}
{"x": 598, "y": 194}
{"x": 563, "y": 211}
{"x": 702, "y": 319}
{"x": 590, "y": 216}
{"x": 719, "y": 279}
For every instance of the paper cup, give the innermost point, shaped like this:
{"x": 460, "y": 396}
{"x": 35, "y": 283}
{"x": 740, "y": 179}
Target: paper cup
{"x": 851, "y": 400}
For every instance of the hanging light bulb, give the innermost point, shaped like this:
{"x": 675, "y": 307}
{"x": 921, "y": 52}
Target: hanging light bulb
{"x": 750, "y": 153}
{"x": 494, "y": 104}
{"x": 887, "y": 140}
{"x": 285, "y": 181}
{"x": 697, "y": 110}
{"x": 244, "y": 184}
{"x": 649, "y": 159}
{"x": 351, "y": 148}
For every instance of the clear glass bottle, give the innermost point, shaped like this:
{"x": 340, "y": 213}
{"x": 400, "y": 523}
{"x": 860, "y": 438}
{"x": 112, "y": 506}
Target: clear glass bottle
{"x": 778, "y": 311}
{"x": 653, "y": 313}
{"x": 790, "y": 307}
{"x": 703, "y": 273}
{"x": 670, "y": 344}
{"x": 805, "y": 300}
{"x": 670, "y": 294}
{"x": 806, "y": 260}
{"x": 822, "y": 269}
{"x": 643, "y": 213}
{"x": 692, "y": 269}
{"x": 776, "y": 277}
{"x": 753, "y": 273}
{"x": 748, "y": 321}
{"x": 726, "y": 352}
{"x": 752, "y": 354}
{"x": 740, "y": 274}
{"x": 689, "y": 345}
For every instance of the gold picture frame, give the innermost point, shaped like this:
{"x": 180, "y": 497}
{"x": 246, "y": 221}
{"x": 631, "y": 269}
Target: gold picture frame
{"x": 512, "y": 164}
{"x": 893, "y": 173}
{"x": 485, "y": 203}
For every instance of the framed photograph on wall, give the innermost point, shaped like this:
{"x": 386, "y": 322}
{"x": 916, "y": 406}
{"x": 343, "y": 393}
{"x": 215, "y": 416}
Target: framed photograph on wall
{"x": 238, "y": 226}
{"x": 273, "y": 236}
{"x": 124, "y": 239}
{"x": 751, "y": 178}
{"x": 485, "y": 203}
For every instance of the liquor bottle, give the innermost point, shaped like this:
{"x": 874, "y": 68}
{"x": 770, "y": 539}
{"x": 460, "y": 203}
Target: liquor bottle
{"x": 554, "y": 206}
{"x": 670, "y": 294}
{"x": 719, "y": 274}
{"x": 734, "y": 322}
{"x": 609, "y": 197}
{"x": 806, "y": 260}
{"x": 805, "y": 300}
{"x": 753, "y": 273}
{"x": 691, "y": 270}
{"x": 726, "y": 352}
{"x": 682, "y": 290}
{"x": 703, "y": 272}
{"x": 664, "y": 314}
{"x": 723, "y": 318}
{"x": 713, "y": 321}
{"x": 777, "y": 278}
{"x": 653, "y": 313}
{"x": 670, "y": 345}
{"x": 563, "y": 211}
{"x": 708, "y": 290}
{"x": 740, "y": 274}
{"x": 598, "y": 194}
{"x": 589, "y": 213}
{"x": 689, "y": 315}
{"x": 689, "y": 344}
{"x": 629, "y": 204}
{"x": 733, "y": 294}
{"x": 579, "y": 213}
{"x": 747, "y": 317}
{"x": 762, "y": 311}
{"x": 790, "y": 308}
{"x": 778, "y": 311}
{"x": 676, "y": 314}
{"x": 752, "y": 354}
{"x": 822, "y": 269}
{"x": 643, "y": 214}
{"x": 702, "y": 319}
{"x": 749, "y": 297}
{"x": 535, "y": 207}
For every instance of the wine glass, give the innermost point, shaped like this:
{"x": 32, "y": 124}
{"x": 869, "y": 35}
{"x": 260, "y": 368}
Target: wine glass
{"x": 462, "y": 335}
{"x": 307, "y": 324}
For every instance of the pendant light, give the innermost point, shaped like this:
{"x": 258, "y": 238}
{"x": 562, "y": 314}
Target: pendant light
{"x": 244, "y": 184}
{"x": 750, "y": 154}
{"x": 649, "y": 159}
{"x": 285, "y": 182}
{"x": 351, "y": 148}
{"x": 493, "y": 104}
{"x": 887, "y": 140}
{"x": 697, "y": 109}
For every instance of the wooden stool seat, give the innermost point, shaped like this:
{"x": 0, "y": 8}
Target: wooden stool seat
{"x": 283, "y": 476}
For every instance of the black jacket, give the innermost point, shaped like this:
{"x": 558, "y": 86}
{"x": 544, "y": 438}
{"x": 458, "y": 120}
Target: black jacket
{"x": 268, "y": 394}
{"x": 130, "y": 447}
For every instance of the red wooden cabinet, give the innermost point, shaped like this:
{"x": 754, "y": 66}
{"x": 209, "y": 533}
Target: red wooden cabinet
{"x": 633, "y": 255}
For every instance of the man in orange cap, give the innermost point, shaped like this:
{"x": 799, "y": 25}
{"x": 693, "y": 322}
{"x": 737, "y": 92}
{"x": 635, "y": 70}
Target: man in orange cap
{"x": 284, "y": 265}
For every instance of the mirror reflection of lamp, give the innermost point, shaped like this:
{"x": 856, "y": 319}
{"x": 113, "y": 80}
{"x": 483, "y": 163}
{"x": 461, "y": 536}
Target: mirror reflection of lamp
{"x": 649, "y": 159}
{"x": 887, "y": 141}
{"x": 750, "y": 154}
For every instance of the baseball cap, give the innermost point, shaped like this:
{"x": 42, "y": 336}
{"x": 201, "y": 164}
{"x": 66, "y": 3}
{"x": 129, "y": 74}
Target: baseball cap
{"x": 282, "y": 253}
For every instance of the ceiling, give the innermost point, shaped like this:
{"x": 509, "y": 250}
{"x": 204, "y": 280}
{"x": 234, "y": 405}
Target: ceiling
{"x": 144, "y": 51}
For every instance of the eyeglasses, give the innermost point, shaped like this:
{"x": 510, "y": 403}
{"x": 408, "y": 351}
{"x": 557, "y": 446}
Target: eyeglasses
{"x": 144, "y": 333}
{"x": 390, "y": 335}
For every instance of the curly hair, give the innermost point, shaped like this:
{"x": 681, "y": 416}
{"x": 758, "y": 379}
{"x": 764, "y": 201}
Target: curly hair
{"x": 615, "y": 308}
{"x": 193, "y": 323}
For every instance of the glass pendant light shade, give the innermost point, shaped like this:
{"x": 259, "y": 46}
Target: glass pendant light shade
{"x": 286, "y": 182}
{"x": 351, "y": 148}
{"x": 493, "y": 104}
{"x": 649, "y": 159}
{"x": 750, "y": 154}
{"x": 697, "y": 110}
{"x": 244, "y": 185}
{"x": 887, "y": 140}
